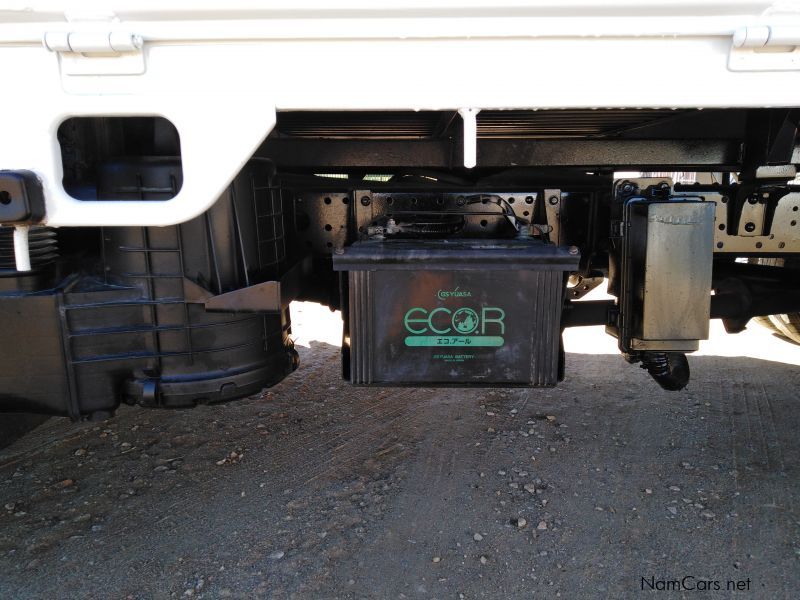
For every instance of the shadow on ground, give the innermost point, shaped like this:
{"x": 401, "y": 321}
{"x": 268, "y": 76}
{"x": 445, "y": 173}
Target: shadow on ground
{"x": 13, "y": 426}
{"x": 317, "y": 489}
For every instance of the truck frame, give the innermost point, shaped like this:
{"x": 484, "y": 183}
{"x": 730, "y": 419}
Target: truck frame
{"x": 171, "y": 178}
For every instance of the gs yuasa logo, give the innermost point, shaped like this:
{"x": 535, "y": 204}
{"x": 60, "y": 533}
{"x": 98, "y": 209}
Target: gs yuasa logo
{"x": 464, "y": 326}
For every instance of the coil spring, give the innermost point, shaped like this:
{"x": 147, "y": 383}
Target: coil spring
{"x": 656, "y": 363}
{"x": 43, "y": 246}
{"x": 669, "y": 369}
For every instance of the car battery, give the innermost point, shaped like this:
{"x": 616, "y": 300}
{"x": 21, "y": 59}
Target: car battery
{"x": 462, "y": 312}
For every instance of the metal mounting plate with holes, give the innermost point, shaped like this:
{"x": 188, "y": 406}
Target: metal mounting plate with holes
{"x": 97, "y": 53}
{"x": 316, "y": 212}
{"x": 552, "y": 202}
{"x": 483, "y": 212}
{"x": 755, "y": 234}
{"x": 579, "y": 286}
{"x": 751, "y": 223}
{"x": 784, "y": 235}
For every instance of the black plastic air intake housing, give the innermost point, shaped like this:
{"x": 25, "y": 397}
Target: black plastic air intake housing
{"x": 129, "y": 326}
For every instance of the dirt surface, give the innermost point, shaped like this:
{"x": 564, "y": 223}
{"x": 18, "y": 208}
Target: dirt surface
{"x": 15, "y": 426}
{"x": 315, "y": 489}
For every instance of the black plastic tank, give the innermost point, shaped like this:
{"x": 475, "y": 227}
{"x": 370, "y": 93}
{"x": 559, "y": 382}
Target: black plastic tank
{"x": 127, "y": 327}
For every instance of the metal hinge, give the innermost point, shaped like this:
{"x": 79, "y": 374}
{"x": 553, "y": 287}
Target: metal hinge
{"x": 765, "y": 48}
{"x": 97, "y": 53}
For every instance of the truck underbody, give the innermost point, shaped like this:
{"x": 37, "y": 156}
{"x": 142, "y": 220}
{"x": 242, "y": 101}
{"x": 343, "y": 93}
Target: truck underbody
{"x": 163, "y": 201}
{"x": 444, "y": 275}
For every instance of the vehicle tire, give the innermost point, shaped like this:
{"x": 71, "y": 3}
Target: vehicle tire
{"x": 786, "y": 325}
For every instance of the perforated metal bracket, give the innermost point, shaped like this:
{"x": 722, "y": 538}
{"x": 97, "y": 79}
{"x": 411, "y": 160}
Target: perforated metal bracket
{"x": 552, "y": 203}
{"x": 755, "y": 235}
{"x": 783, "y": 236}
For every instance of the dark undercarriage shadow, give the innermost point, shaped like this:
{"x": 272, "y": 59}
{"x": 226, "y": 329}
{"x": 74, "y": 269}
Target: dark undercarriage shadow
{"x": 15, "y": 425}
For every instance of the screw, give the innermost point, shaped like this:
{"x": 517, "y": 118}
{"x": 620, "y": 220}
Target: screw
{"x": 573, "y": 250}
{"x": 528, "y": 199}
{"x": 553, "y": 200}
{"x": 627, "y": 188}
{"x": 752, "y": 200}
{"x": 750, "y": 227}
{"x": 365, "y": 201}
{"x": 460, "y": 201}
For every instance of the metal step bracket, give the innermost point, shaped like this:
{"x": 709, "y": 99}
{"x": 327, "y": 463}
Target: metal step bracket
{"x": 264, "y": 297}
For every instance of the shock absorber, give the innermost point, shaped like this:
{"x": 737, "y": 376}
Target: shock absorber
{"x": 669, "y": 369}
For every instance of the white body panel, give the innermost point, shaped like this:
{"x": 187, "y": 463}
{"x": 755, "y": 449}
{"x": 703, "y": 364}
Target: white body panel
{"x": 220, "y": 74}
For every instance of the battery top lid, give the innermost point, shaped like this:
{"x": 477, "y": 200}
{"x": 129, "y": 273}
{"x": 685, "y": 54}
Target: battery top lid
{"x": 455, "y": 254}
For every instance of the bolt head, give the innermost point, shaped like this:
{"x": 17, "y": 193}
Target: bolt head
{"x": 365, "y": 201}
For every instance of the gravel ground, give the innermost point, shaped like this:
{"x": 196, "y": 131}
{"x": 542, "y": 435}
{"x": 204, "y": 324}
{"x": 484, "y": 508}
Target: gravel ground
{"x": 314, "y": 489}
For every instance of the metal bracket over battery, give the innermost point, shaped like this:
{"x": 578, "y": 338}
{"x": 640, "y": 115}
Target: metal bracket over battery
{"x": 397, "y": 215}
{"x": 441, "y": 214}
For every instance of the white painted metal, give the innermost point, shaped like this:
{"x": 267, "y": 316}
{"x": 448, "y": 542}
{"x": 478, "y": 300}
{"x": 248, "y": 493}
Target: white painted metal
{"x": 178, "y": 20}
{"x": 220, "y": 72}
{"x": 57, "y": 41}
{"x": 218, "y": 134}
{"x": 22, "y": 252}
{"x": 763, "y": 60}
{"x": 765, "y": 48}
{"x": 97, "y": 52}
{"x": 90, "y": 42}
